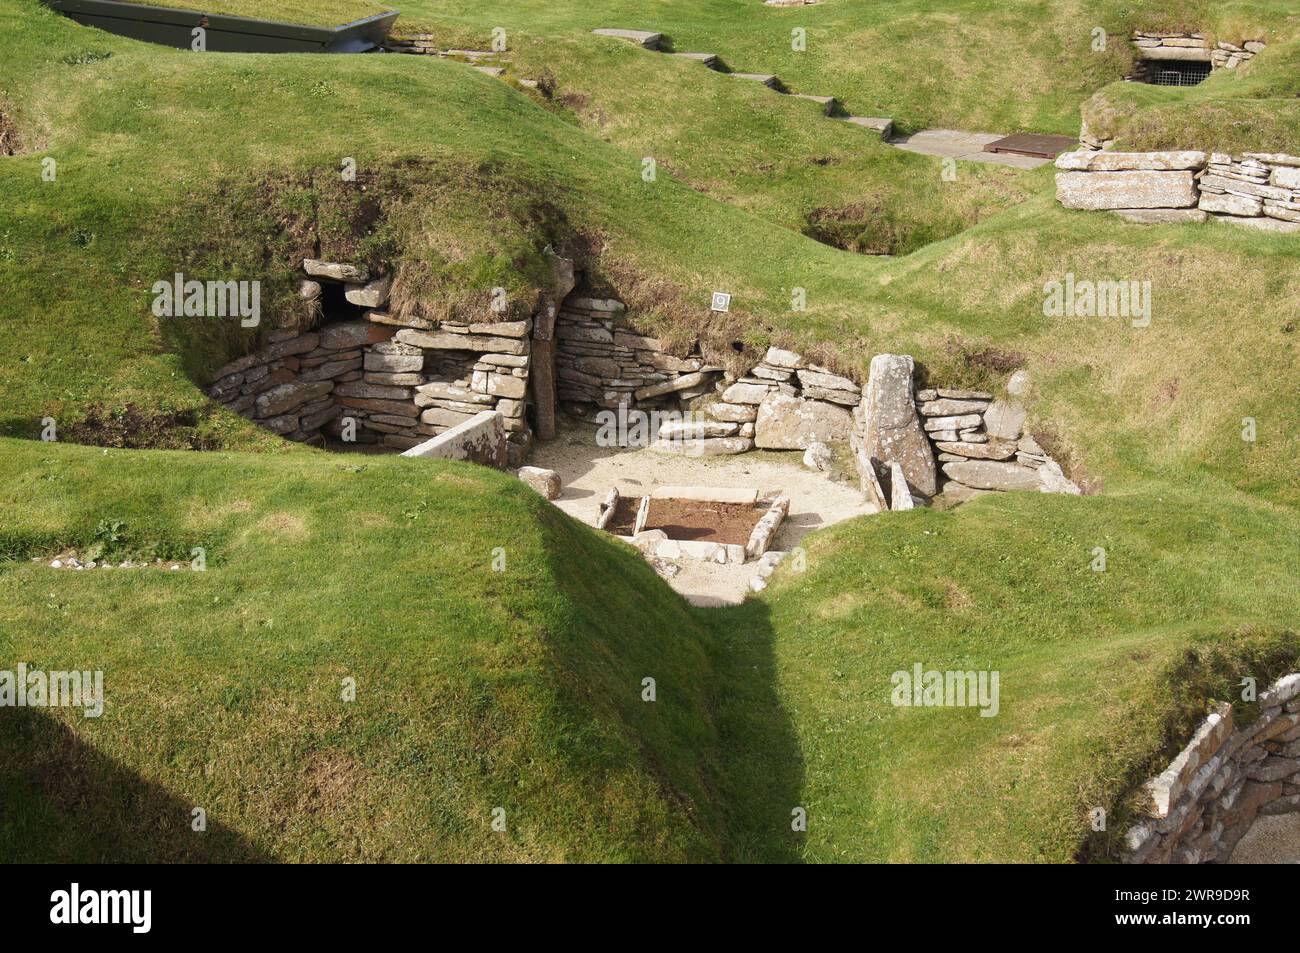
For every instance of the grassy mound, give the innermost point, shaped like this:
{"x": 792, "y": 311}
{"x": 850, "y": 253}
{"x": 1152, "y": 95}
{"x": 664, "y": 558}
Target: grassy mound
{"x": 1100, "y": 682}
{"x": 306, "y": 12}
{"x": 522, "y": 689}
{"x": 475, "y": 688}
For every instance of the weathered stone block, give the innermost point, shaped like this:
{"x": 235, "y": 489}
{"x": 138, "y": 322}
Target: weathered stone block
{"x": 371, "y": 294}
{"x": 285, "y": 397}
{"x": 989, "y": 450}
{"x": 1226, "y": 204}
{"x": 733, "y": 413}
{"x": 992, "y": 475}
{"x": 372, "y": 391}
{"x": 481, "y": 439}
{"x": 545, "y": 482}
{"x": 742, "y": 393}
{"x": 792, "y": 423}
{"x": 334, "y": 270}
{"x": 1089, "y": 161}
{"x": 452, "y": 341}
{"x": 1114, "y": 190}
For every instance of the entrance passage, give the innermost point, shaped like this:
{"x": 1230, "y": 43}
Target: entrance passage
{"x": 1174, "y": 72}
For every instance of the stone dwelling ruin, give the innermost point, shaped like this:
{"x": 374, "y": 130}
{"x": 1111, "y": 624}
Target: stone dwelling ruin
{"x": 1186, "y": 59}
{"x": 418, "y": 386}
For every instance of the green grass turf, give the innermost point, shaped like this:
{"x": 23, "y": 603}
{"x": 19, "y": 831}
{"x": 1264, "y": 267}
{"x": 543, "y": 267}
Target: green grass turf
{"x": 523, "y": 691}
{"x": 307, "y": 12}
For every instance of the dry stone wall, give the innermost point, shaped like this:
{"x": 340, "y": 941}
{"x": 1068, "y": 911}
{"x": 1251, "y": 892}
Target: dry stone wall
{"x": 1206, "y": 800}
{"x": 601, "y": 361}
{"x": 1255, "y": 190}
{"x": 782, "y": 403}
{"x": 400, "y": 381}
{"x": 908, "y": 446}
{"x": 1153, "y": 47}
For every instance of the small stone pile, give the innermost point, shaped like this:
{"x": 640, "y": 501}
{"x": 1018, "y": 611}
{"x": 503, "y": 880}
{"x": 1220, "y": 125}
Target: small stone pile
{"x": 1258, "y": 190}
{"x": 1206, "y": 800}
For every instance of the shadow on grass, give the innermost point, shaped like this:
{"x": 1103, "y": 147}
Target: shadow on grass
{"x": 761, "y": 766}
{"x": 65, "y": 802}
{"x": 717, "y": 739}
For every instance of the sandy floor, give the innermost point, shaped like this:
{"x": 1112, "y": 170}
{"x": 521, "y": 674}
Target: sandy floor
{"x": 1270, "y": 840}
{"x": 588, "y": 471}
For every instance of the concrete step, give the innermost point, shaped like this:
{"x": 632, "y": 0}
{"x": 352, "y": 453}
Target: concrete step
{"x": 644, "y": 38}
{"x": 708, "y": 59}
{"x": 829, "y": 103}
{"x": 965, "y": 146}
{"x": 472, "y": 55}
{"x": 880, "y": 124}
{"x": 767, "y": 79}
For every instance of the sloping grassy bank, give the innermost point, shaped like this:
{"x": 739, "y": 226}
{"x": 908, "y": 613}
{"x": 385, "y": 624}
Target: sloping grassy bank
{"x": 1096, "y": 686}
{"x": 1013, "y": 66}
{"x": 522, "y": 689}
{"x": 475, "y": 688}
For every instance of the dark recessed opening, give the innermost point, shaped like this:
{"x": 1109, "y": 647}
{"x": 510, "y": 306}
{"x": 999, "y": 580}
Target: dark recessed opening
{"x": 1174, "y": 72}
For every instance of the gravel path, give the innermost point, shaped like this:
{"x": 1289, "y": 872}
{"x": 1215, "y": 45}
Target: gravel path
{"x": 1270, "y": 840}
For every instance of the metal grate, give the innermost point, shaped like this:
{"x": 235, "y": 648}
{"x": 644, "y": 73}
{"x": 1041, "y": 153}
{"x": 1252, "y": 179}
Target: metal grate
{"x": 1178, "y": 73}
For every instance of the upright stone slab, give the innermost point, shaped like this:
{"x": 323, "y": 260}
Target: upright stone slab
{"x": 541, "y": 375}
{"x": 893, "y": 427}
{"x": 481, "y": 439}
{"x": 541, "y": 384}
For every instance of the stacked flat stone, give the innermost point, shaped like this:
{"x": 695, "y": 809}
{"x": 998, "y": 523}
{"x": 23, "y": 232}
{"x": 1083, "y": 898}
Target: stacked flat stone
{"x": 1199, "y": 807}
{"x": 401, "y": 381}
{"x": 426, "y": 44}
{"x": 1171, "y": 46}
{"x": 783, "y": 403}
{"x": 982, "y": 446}
{"x": 600, "y": 360}
{"x": 288, "y": 386}
{"x": 1251, "y": 187}
{"x": 1257, "y": 190}
{"x": 1099, "y": 179}
{"x": 1227, "y": 55}
{"x": 1155, "y": 46}
{"x": 978, "y": 443}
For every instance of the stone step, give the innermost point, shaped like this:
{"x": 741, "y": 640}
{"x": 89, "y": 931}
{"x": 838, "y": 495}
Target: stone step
{"x": 644, "y": 38}
{"x": 830, "y": 103}
{"x": 880, "y": 124}
{"x": 708, "y": 59}
{"x": 473, "y": 55}
{"x": 767, "y": 79}
{"x": 493, "y": 71}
